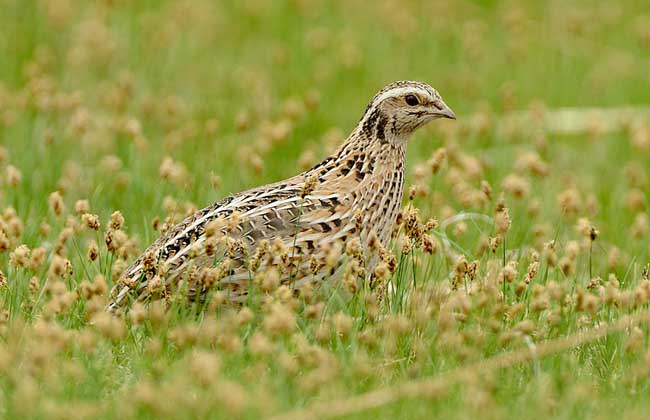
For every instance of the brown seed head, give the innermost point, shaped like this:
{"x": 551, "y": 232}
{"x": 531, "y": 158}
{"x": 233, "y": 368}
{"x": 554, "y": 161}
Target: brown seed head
{"x": 56, "y": 203}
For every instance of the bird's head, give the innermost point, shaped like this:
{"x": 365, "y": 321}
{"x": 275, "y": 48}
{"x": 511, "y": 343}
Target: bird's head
{"x": 400, "y": 108}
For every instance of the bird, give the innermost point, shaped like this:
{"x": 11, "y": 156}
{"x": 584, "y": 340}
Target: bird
{"x": 354, "y": 193}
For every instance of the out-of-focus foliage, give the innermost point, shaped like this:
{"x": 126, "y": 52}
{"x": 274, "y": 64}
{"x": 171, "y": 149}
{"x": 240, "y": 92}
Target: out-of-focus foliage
{"x": 117, "y": 118}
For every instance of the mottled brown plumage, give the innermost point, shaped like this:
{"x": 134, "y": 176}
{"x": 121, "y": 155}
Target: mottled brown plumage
{"x": 353, "y": 192}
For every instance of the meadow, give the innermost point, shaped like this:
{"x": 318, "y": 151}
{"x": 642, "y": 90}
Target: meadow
{"x": 521, "y": 276}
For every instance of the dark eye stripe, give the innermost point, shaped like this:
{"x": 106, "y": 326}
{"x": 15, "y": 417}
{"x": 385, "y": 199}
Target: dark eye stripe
{"x": 417, "y": 113}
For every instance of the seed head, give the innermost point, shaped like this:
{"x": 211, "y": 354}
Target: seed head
{"x": 37, "y": 258}
{"x": 516, "y": 185}
{"x": 279, "y": 320}
{"x": 59, "y": 267}
{"x": 204, "y": 367}
{"x": 502, "y": 217}
{"x": 407, "y": 245}
{"x": 4, "y": 242}
{"x": 81, "y": 207}
{"x": 509, "y": 272}
{"x": 567, "y": 265}
{"x": 109, "y": 326}
{"x": 526, "y": 327}
{"x": 114, "y": 239}
{"x": 13, "y": 176}
{"x": 437, "y": 160}
{"x": 353, "y": 247}
{"x": 550, "y": 256}
{"x": 333, "y": 254}
{"x": 342, "y": 324}
{"x": 569, "y": 201}
{"x": 56, "y": 203}
{"x": 389, "y": 258}
{"x": 269, "y": 280}
{"x": 310, "y": 183}
{"x": 20, "y": 256}
{"x": 260, "y": 345}
{"x": 532, "y": 271}
{"x": 117, "y": 220}
{"x": 460, "y": 269}
{"x": 641, "y": 226}
{"x": 486, "y": 189}
{"x": 214, "y": 227}
{"x": 91, "y": 221}
{"x": 532, "y": 163}
{"x": 209, "y": 277}
{"x": 585, "y": 228}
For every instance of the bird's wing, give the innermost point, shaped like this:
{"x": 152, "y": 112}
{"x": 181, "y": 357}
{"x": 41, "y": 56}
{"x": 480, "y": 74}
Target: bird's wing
{"x": 266, "y": 213}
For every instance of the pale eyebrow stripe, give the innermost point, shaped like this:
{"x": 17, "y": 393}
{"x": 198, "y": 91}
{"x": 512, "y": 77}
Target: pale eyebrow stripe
{"x": 401, "y": 91}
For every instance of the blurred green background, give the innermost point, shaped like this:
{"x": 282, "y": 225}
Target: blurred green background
{"x": 173, "y": 65}
{"x": 97, "y": 94}
{"x": 155, "y": 108}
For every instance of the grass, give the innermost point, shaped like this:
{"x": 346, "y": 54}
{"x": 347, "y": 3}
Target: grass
{"x": 95, "y": 96}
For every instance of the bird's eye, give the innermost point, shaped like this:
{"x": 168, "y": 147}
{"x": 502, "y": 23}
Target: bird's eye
{"x": 411, "y": 100}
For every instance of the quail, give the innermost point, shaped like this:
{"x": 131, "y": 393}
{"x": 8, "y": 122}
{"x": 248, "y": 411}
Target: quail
{"x": 353, "y": 194}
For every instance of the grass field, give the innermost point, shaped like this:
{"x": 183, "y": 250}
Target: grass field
{"x": 156, "y": 108}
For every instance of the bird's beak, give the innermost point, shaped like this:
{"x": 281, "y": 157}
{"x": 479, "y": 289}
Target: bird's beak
{"x": 442, "y": 110}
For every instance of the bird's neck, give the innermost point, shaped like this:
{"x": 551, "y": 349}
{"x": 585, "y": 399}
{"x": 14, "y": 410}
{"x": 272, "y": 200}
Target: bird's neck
{"x": 378, "y": 184}
{"x": 370, "y": 153}
{"x": 367, "y": 168}
{"x": 363, "y": 161}
{"x": 367, "y": 175}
